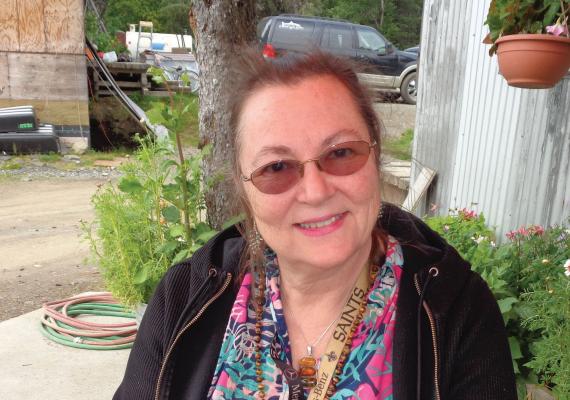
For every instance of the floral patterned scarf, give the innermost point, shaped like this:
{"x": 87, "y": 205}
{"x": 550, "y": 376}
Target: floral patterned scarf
{"x": 367, "y": 373}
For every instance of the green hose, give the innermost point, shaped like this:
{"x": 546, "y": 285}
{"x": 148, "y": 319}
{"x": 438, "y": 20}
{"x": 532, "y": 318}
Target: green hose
{"x": 65, "y": 329}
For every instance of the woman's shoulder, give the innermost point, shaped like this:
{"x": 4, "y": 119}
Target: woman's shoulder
{"x": 221, "y": 253}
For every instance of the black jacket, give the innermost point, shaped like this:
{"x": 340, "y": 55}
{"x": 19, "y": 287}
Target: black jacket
{"x": 464, "y": 348}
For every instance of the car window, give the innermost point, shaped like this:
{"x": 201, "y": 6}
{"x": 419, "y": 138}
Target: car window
{"x": 263, "y": 27}
{"x": 293, "y": 32}
{"x": 336, "y": 37}
{"x": 370, "y": 40}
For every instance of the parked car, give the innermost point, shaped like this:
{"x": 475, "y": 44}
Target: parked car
{"x": 415, "y": 49}
{"x": 385, "y": 67}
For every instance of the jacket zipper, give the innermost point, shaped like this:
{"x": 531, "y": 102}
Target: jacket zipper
{"x": 185, "y": 328}
{"x": 434, "y": 340}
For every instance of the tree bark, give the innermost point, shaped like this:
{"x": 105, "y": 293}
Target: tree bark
{"x": 220, "y": 27}
{"x": 381, "y": 13}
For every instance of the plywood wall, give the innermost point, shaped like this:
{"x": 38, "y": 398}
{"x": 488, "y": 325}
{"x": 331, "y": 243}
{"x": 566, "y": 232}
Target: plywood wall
{"x": 31, "y": 28}
{"x": 40, "y": 76}
{"x": 64, "y": 24}
{"x": 9, "y": 25}
{"x": 42, "y": 26}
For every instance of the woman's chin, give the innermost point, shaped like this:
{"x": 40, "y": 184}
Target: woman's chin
{"x": 322, "y": 255}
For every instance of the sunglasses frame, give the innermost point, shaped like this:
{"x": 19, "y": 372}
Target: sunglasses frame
{"x": 301, "y": 164}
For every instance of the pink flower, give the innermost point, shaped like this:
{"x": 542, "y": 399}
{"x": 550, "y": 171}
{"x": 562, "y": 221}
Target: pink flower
{"x": 467, "y": 214}
{"x": 535, "y": 230}
{"x": 558, "y": 29}
{"x": 567, "y": 268}
{"x": 511, "y": 235}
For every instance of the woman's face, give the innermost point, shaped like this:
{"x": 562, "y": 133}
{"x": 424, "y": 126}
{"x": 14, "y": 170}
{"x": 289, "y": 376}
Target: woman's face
{"x": 323, "y": 220}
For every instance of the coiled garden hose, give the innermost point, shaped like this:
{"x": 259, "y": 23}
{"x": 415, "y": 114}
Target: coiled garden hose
{"x": 60, "y": 323}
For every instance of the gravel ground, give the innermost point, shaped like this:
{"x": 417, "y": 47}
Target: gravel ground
{"x": 30, "y": 169}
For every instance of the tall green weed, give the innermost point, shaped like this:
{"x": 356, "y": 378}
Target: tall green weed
{"x": 140, "y": 222}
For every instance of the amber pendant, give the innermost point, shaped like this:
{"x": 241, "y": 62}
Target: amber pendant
{"x": 308, "y": 369}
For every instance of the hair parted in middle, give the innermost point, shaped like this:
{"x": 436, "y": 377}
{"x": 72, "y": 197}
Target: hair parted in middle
{"x": 253, "y": 72}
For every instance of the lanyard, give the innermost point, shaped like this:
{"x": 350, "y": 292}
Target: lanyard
{"x": 340, "y": 336}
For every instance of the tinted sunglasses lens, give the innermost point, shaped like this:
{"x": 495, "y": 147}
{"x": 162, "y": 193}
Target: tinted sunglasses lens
{"x": 276, "y": 177}
{"x": 345, "y": 158}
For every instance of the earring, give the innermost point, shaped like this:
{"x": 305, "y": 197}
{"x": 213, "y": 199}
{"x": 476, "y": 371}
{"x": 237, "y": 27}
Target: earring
{"x": 380, "y": 212}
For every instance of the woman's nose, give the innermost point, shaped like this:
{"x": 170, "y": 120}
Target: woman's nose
{"x": 314, "y": 186}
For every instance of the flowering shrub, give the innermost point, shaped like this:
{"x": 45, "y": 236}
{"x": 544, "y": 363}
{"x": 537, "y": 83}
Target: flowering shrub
{"x": 530, "y": 278}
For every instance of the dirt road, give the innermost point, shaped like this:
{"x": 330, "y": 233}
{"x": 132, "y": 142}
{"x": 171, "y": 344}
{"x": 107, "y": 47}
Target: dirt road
{"x": 42, "y": 253}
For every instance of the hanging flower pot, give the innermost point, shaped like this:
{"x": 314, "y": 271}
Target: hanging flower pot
{"x": 528, "y": 57}
{"x": 533, "y": 61}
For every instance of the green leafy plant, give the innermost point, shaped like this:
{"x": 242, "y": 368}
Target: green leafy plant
{"x": 154, "y": 216}
{"x": 151, "y": 219}
{"x": 509, "y": 17}
{"x": 105, "y": 41}
{"x": 529, "y": 276}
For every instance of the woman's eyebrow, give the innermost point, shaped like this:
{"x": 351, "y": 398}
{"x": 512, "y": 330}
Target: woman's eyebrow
{"x": 277, "y": 150}
{"x": 282, "y": 150}
{"x": 341, "y": 134}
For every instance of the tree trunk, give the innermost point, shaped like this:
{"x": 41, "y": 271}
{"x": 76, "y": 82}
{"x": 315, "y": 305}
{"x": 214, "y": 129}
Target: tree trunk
{"x": 381, "y": 13}
{"x": 221, "y": 27}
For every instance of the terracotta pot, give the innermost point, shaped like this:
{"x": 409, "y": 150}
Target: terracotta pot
{"x": 533, "y": 61}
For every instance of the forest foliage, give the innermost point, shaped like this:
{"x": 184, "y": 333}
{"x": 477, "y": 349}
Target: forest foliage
{"x": 398, "y": 20}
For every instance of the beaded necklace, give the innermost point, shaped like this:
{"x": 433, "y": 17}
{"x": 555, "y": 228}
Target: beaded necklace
{"x": 373, "y": 272}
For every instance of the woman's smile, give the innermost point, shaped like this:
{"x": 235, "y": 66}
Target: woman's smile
{"x": 321, "y": 226}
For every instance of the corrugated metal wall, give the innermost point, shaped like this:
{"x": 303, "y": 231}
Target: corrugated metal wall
{"x": 498, "y": 150}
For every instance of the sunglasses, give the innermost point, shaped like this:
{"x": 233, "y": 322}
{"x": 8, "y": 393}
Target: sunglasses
{"x": 339, "y": 159}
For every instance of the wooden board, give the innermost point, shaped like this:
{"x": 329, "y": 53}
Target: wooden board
{"x": 46, "y": 76}
{"x": 418, "y": 189}
{"x": 31, "y": 26}
{"x": 9, "y": 26}
{"x": 4, "y": 74}
{"x": 64, "y": 26}
{"x": 73, "y": 112}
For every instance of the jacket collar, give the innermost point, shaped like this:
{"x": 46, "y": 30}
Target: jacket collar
{"x": 423, "y": 249}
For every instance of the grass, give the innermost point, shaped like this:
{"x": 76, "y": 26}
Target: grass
{"x": 400, "y": 147}
{"x": 90, "y": 156}
{"x": 50, "y": 157}
{"x": 11, "y": 165}
{"x": 154, "y": 108}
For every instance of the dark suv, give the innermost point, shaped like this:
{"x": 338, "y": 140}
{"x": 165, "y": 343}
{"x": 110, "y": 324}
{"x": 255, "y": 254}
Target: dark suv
{"x": 386, "y": 67}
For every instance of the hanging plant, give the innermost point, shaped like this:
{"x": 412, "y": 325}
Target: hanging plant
{"x": 531, "y": 39}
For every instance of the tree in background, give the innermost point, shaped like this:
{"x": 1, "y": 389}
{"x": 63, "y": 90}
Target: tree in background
{"x": 167, "y": 16}
{"x": 221, "y": 28}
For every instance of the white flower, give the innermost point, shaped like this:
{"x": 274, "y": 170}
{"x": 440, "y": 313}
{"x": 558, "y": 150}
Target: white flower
{"x": 493, "y": 244}
{"x": 478, "y": 239}
{"x": 545, "y": 261}
{"x": 567, "y": 268}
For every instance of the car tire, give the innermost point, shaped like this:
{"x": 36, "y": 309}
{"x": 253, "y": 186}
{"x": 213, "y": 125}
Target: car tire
{"x": 409, "y": 88}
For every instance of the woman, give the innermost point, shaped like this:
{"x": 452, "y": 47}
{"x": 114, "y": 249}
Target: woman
{"x": 327, "y": 294}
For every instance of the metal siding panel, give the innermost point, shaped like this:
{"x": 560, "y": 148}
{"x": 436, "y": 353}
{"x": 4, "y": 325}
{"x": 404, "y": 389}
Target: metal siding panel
{"x": 505, "y": 149}
{"x": 441, "y": 76}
